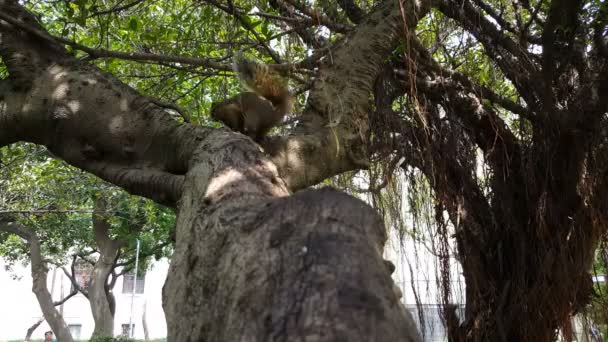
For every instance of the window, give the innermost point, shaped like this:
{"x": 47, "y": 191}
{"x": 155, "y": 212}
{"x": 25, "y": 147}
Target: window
{"x": 127, "y": 283}
{"x": 82, "y": 274}
{"x": 125, "y": 329}
{"x": 75, "y": 330}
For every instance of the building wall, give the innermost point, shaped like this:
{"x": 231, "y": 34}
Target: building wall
{"x": 20, "y": 308}
{"x": 416, "y": 274}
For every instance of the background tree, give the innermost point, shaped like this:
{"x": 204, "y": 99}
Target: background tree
{"x": 76, "y": 226}
{"x": 39, "y": 272}
{"x": 493, "y": 108}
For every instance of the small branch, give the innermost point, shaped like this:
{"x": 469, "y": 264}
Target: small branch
{"x": 75, "y": 283}
{"x": 482, "y": 91}
{"x": 103, "y": 53}
{"x": 72, "y": 294}
{"x": 313, "y": 40}
{"x": 319, "y": 17}
{"x": 231, "y": 10}
{"x": 116, "y": 8}
{"x": 534, "y": 13}
{"x": 353, "y": 12}
{"x": 31, "y": 329}
{"x": 505, "y": 24}
{"x": 394, "y": 164}
{"x": 172, "y": 106}
{"x": 516, "y": 63}
{"x": 142, "y": 255}
{"x": 72, "y": 279}
{"x": 37, "y": 212}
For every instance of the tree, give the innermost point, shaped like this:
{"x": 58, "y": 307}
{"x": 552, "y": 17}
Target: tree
{"x": 39, "y": 271}
{"x": 88, "y": 231}
{"x": 519, "y": 97}
{"x": 108, "y": 264}
{"x": 112, "y": 261}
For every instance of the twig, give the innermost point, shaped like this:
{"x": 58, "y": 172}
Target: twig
{"x": 103, "y": 53}
{"x": 173, "y": 106}
{"x": 116, "y": 8}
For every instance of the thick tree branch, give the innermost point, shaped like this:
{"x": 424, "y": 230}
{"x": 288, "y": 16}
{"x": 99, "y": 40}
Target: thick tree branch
{"x": 9, "y": 225}
{"x": 137, "y": 146}
{"x": 558, "y": 34}
{"x": 336, "y": 113}
{"x": 9, "y": 121}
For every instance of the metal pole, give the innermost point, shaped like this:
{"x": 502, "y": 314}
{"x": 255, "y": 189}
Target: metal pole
{"x": 61, "y": 307}
{"x": 133, "y": 293}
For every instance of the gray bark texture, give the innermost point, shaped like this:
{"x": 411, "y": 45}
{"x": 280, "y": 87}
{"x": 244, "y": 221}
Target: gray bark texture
{"x": 252, "y": 261}
{"x": 101, "y": 304}
{"x": 39, "y": 272}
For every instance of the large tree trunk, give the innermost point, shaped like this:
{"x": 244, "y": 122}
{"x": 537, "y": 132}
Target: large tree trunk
{"x": 100, "y": 308}
{"x": 525, "y": 230}
{"x": 276, "y": 268}
{"x": 101, "y": 298}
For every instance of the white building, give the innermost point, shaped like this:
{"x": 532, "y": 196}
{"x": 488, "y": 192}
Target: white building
{"x": 20, "y": 309}
{"x": 415, "y": 274}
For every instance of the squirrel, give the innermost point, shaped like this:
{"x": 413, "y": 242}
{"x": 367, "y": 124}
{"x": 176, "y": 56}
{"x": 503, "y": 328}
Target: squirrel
{"x": 256, "y": 111}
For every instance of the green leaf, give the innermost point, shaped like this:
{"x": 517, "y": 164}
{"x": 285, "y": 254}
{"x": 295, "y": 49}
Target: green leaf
{"x": 133, "y": 24}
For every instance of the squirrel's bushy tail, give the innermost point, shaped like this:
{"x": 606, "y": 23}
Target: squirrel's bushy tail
{"x": 260, "y": 79}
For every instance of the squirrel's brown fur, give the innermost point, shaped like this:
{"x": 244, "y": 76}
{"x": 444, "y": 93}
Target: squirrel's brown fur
{"x": 255, "y": 112}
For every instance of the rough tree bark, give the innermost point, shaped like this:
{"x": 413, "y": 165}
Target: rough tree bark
{"x": 39, "y": 273}
{"x": 251, "y": 262}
